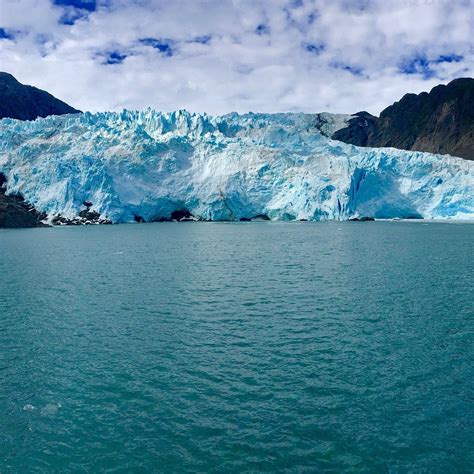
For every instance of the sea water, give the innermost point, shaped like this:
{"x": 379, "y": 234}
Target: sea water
{"x": 219, "y": 347}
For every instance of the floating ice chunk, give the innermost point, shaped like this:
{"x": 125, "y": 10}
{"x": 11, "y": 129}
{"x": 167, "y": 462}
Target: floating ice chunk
{"x": 50, "y": 409}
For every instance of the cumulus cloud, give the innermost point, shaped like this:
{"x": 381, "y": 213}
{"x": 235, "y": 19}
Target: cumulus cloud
{"x": 218, "y": 56}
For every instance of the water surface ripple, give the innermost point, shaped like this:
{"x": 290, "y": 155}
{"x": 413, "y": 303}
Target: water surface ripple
{"x": 237, "y": 347}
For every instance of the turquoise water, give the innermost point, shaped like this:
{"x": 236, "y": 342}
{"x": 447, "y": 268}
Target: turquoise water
{"x": 236, "y": 347}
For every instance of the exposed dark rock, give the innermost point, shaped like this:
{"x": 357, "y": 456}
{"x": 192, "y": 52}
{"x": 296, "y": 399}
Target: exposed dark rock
{"x": 359, "y": 129}
{"x": 15, "y": 212}
{"x": 138, "y": 218}
{"x": 162, "y": 219}
{"x": 89, "y": 215}
{"x": 85, "y": 217}
{"x": 362, "y": 219}
{"x": 441, "y": 121}
{"x": 23, "y": 102}
{"x": 245, "y": 219}
{"x": 59, "y": 220}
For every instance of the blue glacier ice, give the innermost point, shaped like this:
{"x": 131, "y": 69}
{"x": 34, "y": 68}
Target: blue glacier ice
{"x": 223, "y": 167}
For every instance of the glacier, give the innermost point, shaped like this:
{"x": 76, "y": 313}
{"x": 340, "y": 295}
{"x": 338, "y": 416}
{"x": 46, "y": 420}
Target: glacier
{"x": 284, "y": 166}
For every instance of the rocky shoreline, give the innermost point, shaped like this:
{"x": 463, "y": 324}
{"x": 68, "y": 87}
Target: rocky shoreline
{"x": 15, "y": 212}
{"x": 86, "y": 216}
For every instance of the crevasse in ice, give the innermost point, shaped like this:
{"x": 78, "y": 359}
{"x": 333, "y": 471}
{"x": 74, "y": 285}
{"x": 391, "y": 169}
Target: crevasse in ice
{"x": 224, "y": 167}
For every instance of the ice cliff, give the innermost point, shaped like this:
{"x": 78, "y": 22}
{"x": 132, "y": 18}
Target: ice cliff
{"x": 150, "y": 164}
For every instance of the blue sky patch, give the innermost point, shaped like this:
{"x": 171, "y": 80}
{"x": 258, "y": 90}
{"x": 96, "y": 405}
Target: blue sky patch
{"x": 72, "y": 15}
{"x": 449, "y": 58}
{"x": 163, "y": 46}
{"x": 262, "y": 29}
{"x": 421, "y": 65}
{"x": 418, "y": 64}
{"x": 5, "y": 34}
{"x": 312, "y": 17}
{"x": 296, "y": 4}
{"x": 314, "y": 48}
{"x": 202, "y": 39}
{"x": 354, "y": 70}
{"x": 89, "y": 5}
{"x": 114, "y": 57}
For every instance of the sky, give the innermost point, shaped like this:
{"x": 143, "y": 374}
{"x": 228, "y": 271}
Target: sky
{"x": 218, "y": 56}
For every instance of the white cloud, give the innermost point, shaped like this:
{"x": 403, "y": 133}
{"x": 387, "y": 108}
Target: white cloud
{"x": 310, "y": 55}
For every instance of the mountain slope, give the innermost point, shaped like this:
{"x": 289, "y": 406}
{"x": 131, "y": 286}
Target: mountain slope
{"x": 441, "y": 121}
{"x": 15, "y": 212}
{"x": 145, "y": 166}
{"x": 26, "y": 102}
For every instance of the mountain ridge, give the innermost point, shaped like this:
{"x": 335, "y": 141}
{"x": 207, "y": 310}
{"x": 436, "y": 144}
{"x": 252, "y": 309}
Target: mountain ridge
{"x": 24, "y": 102}
{"x": 441, "y": 121}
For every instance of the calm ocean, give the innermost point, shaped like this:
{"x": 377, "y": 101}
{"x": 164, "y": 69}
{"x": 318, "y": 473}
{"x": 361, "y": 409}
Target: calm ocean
{"x": 221, "y": 347}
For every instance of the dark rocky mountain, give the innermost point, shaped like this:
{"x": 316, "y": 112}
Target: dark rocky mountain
{"x": 15, "y": 212}
{"x": 26, "y": 102}
{"x": 441, "y": 121}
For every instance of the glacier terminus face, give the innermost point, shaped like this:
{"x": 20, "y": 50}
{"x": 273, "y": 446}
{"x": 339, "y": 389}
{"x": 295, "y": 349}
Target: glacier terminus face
{"x": 229, "y": 167}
